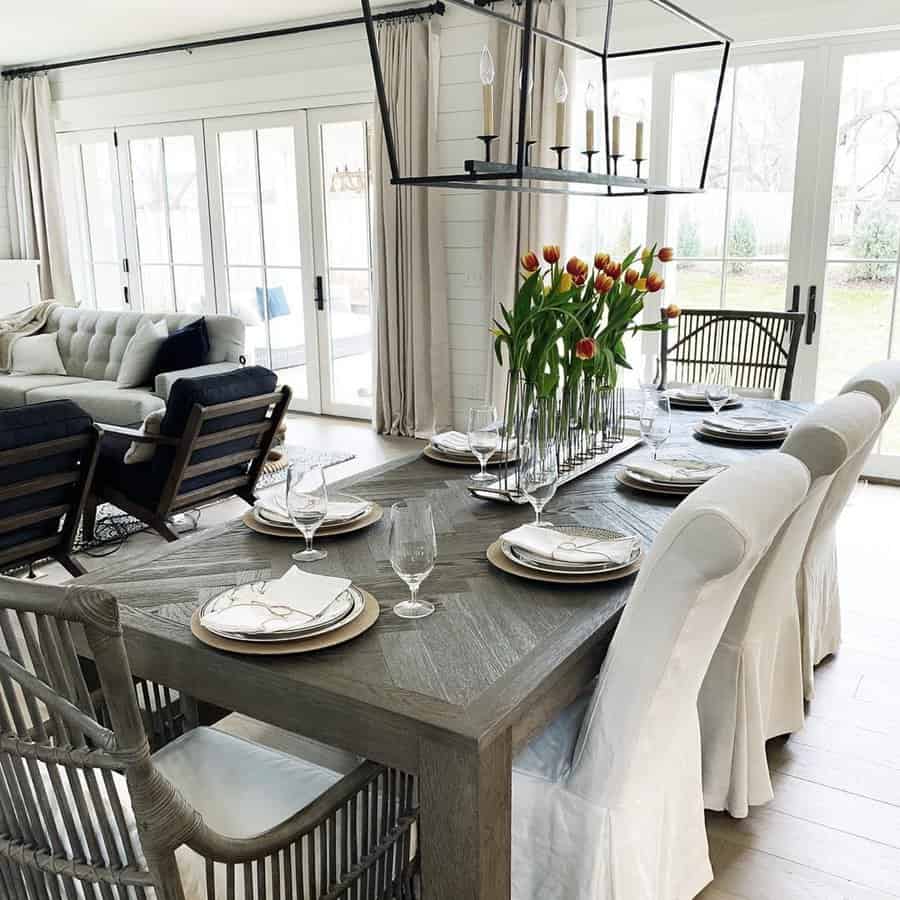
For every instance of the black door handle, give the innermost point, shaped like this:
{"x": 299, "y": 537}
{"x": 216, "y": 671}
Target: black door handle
{"x": 320, "y": 295}
{"x": 812, "y": 317}
{"x": 795, "y": 298}
{"x": 125, "y": 293}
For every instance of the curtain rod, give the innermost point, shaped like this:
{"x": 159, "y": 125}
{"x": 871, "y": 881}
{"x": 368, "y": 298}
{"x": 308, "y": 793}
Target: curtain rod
{"x": 437, "y": 8}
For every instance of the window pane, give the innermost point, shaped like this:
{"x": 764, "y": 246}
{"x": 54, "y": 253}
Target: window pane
{"x": 108, "y": 286}
{"x": 764, "y": 158}
{"x": 100, "y": 197}
{"x": 344, "y": 160}
{"x": 240, "y": 199}
{"x": 755, "y": 285}
{"x": 351, "y": 337}
{"x": 694, "y": 284}
{"x": 856, "y": 318}
{"x": 615, "y": 227}
{"x": 148, "y": 179}
{"x": 278, "y": 181}
{"x": 244, "y": 287}
{"x": 190, "y": 288}
{"x": 865, "y": 222}
{"x": 156, "y": 285}
{"x": 698, "y": 220}
{"x": 184, "y": 205}
{"x": 286, "y": 327}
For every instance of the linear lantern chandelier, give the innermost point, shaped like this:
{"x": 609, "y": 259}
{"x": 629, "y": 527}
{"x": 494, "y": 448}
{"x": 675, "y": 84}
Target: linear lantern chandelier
{"x": 518, "y": 174}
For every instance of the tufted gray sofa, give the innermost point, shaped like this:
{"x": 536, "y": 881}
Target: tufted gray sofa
{"x": 91, "y": 344}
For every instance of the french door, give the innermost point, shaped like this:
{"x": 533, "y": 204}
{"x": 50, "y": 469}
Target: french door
{"x": 289, "y": 199}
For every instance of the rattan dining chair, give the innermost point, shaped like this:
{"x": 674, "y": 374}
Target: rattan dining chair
{"x": 759, "y": 346}
{"x": 86, "y": 811}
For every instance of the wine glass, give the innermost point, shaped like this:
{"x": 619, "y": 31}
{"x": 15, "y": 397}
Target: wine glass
{"x": 413, "y": 549}
{"x": 539, "y": 475}
{"x": 484, "y": 437}
{"x": 656, "y": 422}
{"x": 306, "y": 501}
{"x": 718, "y": 387}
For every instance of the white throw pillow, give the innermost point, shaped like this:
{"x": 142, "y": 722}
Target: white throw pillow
{"x": 139, "y": 452}
{"x": 137, "y": 361}
{"x": 37, "y": 355}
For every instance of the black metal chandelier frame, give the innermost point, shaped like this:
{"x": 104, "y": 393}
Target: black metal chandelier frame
{"x": 520, "y": 176}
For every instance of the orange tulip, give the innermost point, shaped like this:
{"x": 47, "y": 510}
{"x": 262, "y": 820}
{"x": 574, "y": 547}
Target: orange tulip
{"x": 601, "y": 261}
{"x": 671, "y": 311}
{"x": 603, "y": 284}
{"x": 586, "y": 348}
{"x": 530, "y": 261}
{"x": 580, "y": 279}
{"x": 551, "y": 253}
{"x": 631, "y": 276}
{"x": 577, "y": 267}
{"x": 666, "y": 254}
{"x": 614, "y": 270}
{"x": 655, "y": 282}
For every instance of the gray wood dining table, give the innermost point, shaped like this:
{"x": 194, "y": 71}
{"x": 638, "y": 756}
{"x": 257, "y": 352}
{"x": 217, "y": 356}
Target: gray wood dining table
{"x": 451, "y": 697}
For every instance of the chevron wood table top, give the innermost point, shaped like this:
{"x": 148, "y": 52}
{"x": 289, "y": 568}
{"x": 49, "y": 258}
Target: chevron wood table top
{"x": 452, "y": 696}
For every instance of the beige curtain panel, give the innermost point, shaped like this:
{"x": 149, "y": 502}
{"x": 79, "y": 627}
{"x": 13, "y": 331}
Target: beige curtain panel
{"x": 36, "y": 220}
{"x": 412, "y": 395}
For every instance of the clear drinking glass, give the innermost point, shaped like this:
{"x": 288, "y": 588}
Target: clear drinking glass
{"x": 539, "y": 476}
{"x": 484, "y": 437}
{"x": 656, "y": 421}
{"x": 306, "y": 501}
{"x": 719, "y": 383}
{"x": 413, "y": 548}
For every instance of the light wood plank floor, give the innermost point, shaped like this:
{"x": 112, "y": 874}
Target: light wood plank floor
{"x": 833, "y": 830}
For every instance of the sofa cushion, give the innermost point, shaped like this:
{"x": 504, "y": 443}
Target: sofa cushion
{"x": 23, "y": 427}
{"x": 104, "y": 400}
{"x": 136, "y": 369}
{"x": 92, "y": 342}
{"x": 14, "y": 389}
{"x": 37, "y": 355}
{"x": 185, "y": 348}
{"x": 139, "y": 481}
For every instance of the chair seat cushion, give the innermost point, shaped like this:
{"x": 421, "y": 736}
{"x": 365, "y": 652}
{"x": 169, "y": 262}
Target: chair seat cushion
{"x": 14, "y": 389}
{"x": 138, "y": 481}
{"x": 104, "y": 400}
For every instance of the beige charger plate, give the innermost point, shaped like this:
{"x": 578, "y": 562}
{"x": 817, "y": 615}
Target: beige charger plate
{"x": 437, "y": 456}
{"x": 374, "y": 515}
{"x": 500, "y": 561}
{"x": 360, "y": 624}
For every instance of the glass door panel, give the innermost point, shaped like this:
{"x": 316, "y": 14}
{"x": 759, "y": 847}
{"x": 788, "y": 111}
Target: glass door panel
{"x": 169, "y": 251}
{"x": 339, "y": 150}
{"x": 92, "y": 208}
{"x": 264, "y": 260}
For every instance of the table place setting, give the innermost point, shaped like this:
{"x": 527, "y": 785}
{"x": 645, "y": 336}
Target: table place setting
{"x": 571, "y": 554}
{"x": 743, "y": 429}
{"x": 716, "y": 392}
{"x": 481, "y": 445}
{"x": 296, "y": 613}
{"x": 677, "y": 477}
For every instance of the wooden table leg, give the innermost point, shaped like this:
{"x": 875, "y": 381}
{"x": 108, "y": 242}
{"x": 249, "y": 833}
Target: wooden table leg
{"x": 465, "y": 814}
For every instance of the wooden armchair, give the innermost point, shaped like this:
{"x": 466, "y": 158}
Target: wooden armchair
{"x": 212, "y": 443}
{"x": 48, "y": 452}
{"x": 87, "y": 811}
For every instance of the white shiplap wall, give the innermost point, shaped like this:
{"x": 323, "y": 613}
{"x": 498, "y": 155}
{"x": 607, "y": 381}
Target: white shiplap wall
{"x": 320, "y": 69}
{"x": 5, "y": 248}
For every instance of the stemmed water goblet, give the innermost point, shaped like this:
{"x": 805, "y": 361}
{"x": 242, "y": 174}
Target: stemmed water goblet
{"x": 484, "y": 437}
{"x": 718, "y": 384}
{"x": 539, "y": 476}
{"x": 306, "y": 501}
{"x": 656, "y": 421}
{"x": 413, "y": 551}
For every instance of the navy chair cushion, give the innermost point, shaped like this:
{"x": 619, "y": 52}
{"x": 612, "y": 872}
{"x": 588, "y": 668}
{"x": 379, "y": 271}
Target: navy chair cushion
{"x": 25, "y": 426}
{"x": 185, "y": 348}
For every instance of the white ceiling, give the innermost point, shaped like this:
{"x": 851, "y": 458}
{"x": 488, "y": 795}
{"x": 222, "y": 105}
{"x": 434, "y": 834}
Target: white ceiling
{"x": 35, "y": 31}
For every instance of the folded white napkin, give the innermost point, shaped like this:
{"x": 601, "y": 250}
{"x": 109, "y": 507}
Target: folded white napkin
{"x": 452, "y": 440}
{"x": 288, "y": 603}
{"x": 561, "y": 547}
{"x": 338, "y": 510}
{"x": 683, "y": 472}
{"x": 744, "y": 425}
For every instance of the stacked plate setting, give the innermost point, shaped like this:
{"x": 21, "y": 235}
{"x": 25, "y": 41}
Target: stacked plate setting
{"x": 695, "y": 398}
{"x": 287, "y": 609}
{"x": 743, "y": 429}
{"x": 342, "y": 510}
{"x": 453, "y": 446}
{"x": 671, "y": 476}
{"x": 571, "y": 551}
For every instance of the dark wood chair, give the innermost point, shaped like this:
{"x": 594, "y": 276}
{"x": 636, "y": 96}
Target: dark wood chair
{"x": 48, "y": 452}
{"x": 212, "y": 443}
{"x": 759, "y": 346}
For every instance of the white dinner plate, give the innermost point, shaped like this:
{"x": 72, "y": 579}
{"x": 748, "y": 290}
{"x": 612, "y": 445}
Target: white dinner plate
{"x": 557, "y": 567}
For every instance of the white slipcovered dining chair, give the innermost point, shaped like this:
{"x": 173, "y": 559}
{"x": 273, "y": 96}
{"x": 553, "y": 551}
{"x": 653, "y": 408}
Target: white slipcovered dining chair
{"x": 818, "y": 593}
{"x": 607, "y": 801}
{"x": 753, "y": 690}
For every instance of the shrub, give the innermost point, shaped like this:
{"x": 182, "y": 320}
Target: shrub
{"x": 742, "y": 241}
{"x": 875, "y": 236}
{"x": 688, "y": 241}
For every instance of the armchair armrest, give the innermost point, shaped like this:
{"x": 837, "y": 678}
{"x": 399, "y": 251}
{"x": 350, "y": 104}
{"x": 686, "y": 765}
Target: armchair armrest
{"x": 165, "y": 380}
{"x": 138, "y": 436}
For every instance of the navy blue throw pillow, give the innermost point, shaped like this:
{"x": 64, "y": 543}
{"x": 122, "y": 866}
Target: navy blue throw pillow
{"x": 183, "y": 349}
